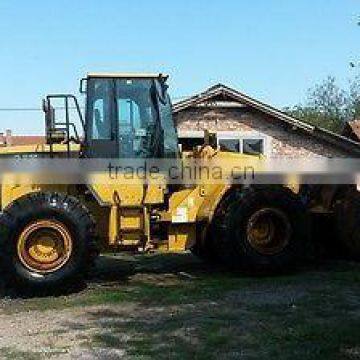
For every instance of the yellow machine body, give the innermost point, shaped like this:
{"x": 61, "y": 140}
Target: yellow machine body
{"x": 123, "y": 208}
{"x": 52, "y": 227}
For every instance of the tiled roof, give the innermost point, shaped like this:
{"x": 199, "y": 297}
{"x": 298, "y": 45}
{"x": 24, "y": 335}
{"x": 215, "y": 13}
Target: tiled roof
{"x": 17, "y": 140}
{"x": 355, "y": 127}
{"x": 221, "y": 91}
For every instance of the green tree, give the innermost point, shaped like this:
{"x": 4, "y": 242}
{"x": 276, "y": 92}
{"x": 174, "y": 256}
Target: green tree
{"x": 328, "y": 106}
{"x": 354, "y": 99}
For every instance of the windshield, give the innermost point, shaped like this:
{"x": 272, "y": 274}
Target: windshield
{"x": 134, "y": 115}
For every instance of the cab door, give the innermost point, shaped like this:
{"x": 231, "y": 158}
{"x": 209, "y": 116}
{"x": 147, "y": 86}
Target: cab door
{"x": 101, "y": 139}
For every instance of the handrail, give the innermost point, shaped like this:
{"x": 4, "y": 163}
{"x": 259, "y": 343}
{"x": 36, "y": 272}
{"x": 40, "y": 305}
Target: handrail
{"x": 67, "y": 126}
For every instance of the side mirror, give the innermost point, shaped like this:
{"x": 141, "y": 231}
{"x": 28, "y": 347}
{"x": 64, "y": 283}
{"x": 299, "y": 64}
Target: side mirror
{"x": 45, "y": 105}
{"x": 83, "y": 86}
{"x": 49, "y": 112}
{"x": 49, "y": 119}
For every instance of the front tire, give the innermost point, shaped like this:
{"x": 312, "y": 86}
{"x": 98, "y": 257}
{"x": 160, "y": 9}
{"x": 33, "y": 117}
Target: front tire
{"x": 47, "y": 241}
{"x": 265, "y": 230}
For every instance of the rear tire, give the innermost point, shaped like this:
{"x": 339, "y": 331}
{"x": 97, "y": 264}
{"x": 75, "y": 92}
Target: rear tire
{"x": 47, "y": 241}
{"x": 348, "y": 224}
{"x": 265, "y": 230}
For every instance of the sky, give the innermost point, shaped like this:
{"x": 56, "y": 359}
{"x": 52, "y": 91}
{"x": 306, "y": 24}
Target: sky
{"x": 273, "y": 50}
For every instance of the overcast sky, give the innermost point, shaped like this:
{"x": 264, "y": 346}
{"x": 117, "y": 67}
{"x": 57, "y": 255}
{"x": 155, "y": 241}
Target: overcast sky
{"x": 271, "y": 49}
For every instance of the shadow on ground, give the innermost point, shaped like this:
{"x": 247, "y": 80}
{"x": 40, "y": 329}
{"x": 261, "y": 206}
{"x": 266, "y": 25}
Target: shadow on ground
{"x": 114, "y": 270}
{"x": 174, "y": 306}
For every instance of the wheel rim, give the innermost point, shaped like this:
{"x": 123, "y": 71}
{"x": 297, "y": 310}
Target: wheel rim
{"x": 45, "y": 246}
{"x": 269, "y": 231}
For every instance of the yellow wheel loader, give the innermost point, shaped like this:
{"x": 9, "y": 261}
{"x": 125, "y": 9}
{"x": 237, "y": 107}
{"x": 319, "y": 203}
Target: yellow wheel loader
{"x": 50, "y": 233}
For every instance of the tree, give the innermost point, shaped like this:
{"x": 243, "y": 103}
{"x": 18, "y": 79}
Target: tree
{"x": 328, "y": 106}
{"x": 312, "y": 116}
{"x": 354, "y": 99}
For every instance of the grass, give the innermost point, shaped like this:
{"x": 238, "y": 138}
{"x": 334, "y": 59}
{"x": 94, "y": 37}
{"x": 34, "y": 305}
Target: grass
{"x": 10, "y": 354}
{"x": 14, "y": 354}
{"x": 256, "y": 332}
{"x": 182, "y": 309}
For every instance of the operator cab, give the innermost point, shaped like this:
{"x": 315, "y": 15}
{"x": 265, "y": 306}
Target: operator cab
{"x": 128, "y": 116}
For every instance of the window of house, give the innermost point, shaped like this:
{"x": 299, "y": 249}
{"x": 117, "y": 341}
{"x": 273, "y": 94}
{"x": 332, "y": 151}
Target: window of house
{"x": 231, "y": 145}
{"x": 249, "y": 145}
{"x": 253, "y": 146}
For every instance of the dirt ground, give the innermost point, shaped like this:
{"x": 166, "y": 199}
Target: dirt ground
{"x": 174, "y": 306}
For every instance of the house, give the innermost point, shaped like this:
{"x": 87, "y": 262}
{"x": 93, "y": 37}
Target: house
{"x": 8, "y": 139}
{"x": 244, "y": 124}
{"x": 352, "y": 130}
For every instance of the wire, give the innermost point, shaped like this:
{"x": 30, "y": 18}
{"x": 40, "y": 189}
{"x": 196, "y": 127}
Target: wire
{"x": 35, "y": 109}
{"x": 29, "y": 109}
{"x": 22, "y": 109}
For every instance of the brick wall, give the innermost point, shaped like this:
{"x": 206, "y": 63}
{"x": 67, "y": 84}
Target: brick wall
{"x": 281, "y": 142}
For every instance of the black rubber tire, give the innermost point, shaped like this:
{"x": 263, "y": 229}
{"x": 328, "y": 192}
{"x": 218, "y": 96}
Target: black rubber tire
{"x": 204, "y": 248}
{"x": 209, "y": 236}
{"x": 234, "y": 247}
{"x": 347, "y": 222}
{"x": 41, "y": 206}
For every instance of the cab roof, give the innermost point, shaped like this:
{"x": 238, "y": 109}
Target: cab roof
{"x": 127, "y": 75}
